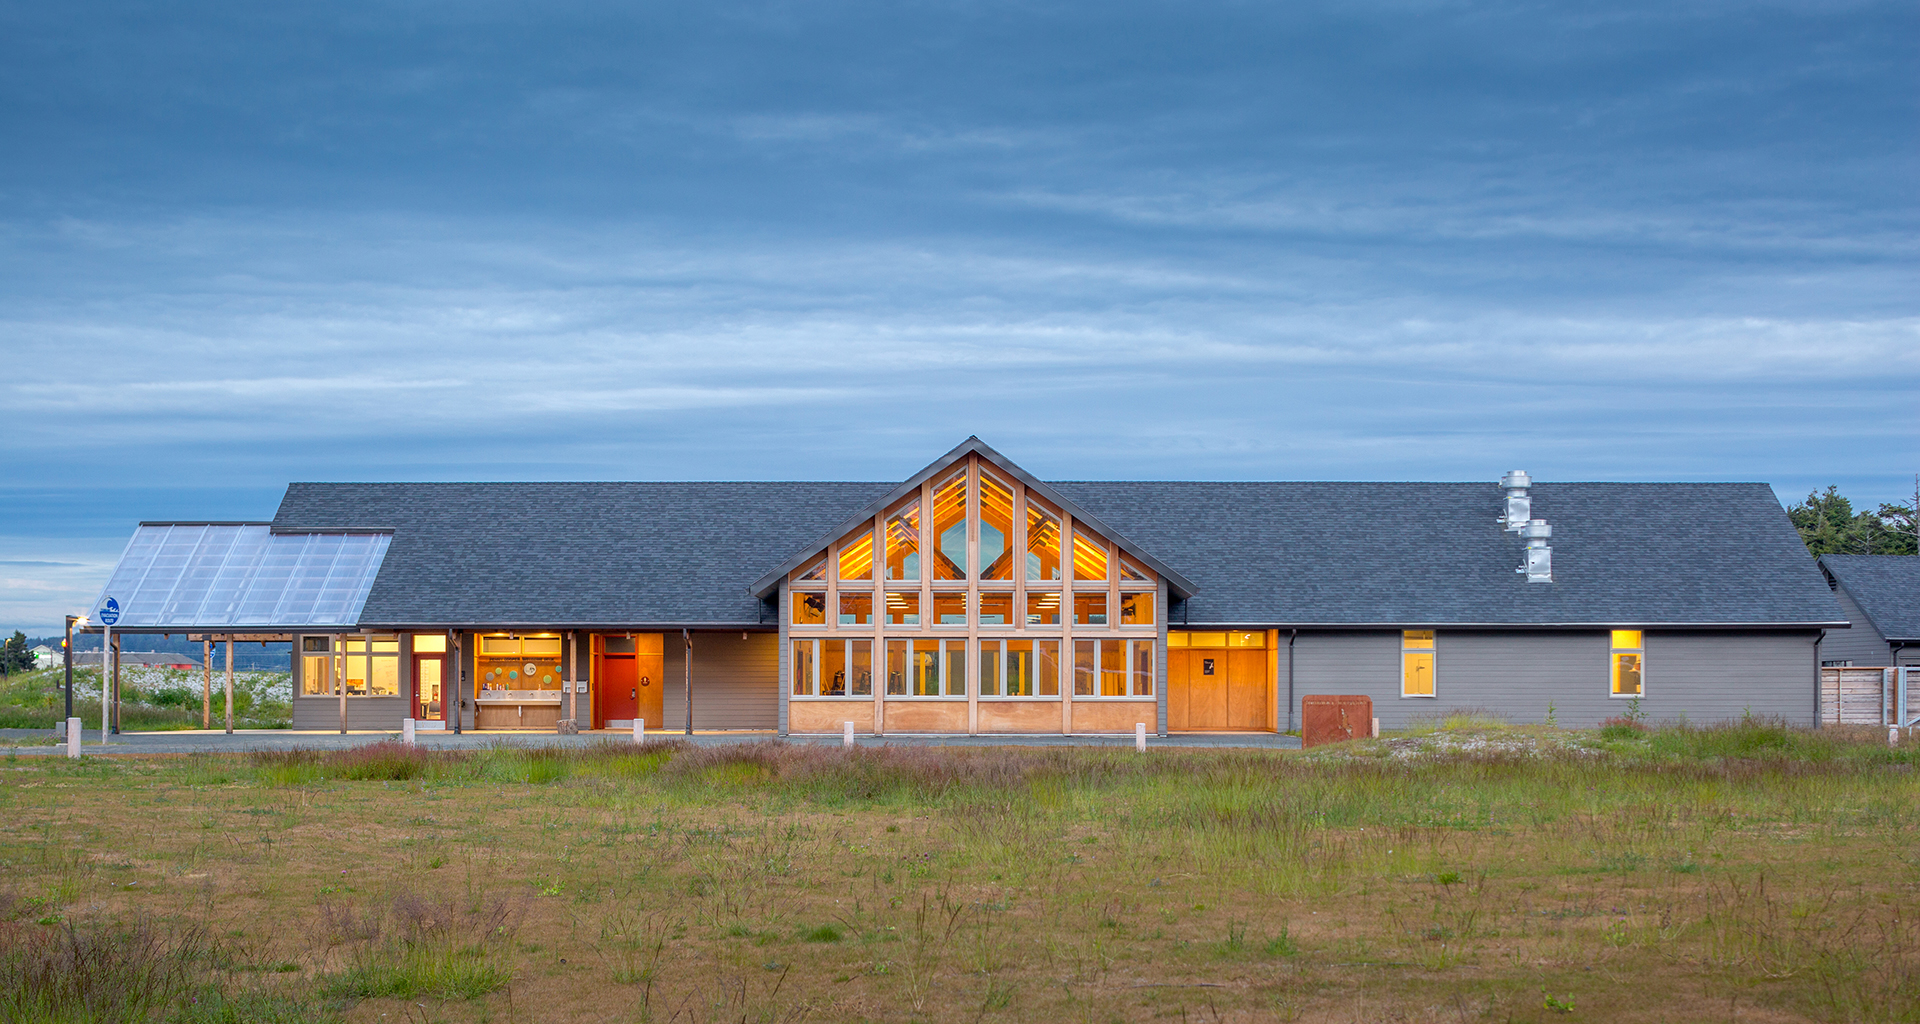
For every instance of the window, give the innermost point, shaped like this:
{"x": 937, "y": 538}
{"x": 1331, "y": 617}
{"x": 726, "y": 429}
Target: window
{"x": 996, "y": 609}
{"x": 1011, "y": 668}
{"x": 510, "y": 662}
{"x": 815, "y": 573}
{"x": 1629, "y": 659}
{"x": 803, "y": 667}
{"x": 903, "y": 542}
{"x": 1089, "y": 558}
{"x": 1136, "y": 609}
{"x": 897, "y": 668}
{"x": 925, "y": 669}
{"x": 1083, "y": 668}
{"x": 1113, "y": 668}
{"x": 955, "y": 666}
{"x": 1142, "y": 668}
{"x": 989, "y": 674}
{"x": 1131, "y": 573}
{"x": 1043, "y": 609}
{"x": 1090, "y": 609}
{"x": 1416, "y": 663}
{"x": 316, "y": 666}
{"x": 366, "y": 666}
{"x": 1046, "y": 673}
{"x": 950, "y": 528}
{"x": 950, "y": 608}
{"x": 809, "y": 608}
{"x": 430, "y": 643}
{"x": 856, "y": 609}
{"x": 856, "y": 557}
{"x": 832, "y": 668}
{"x": 1183, "y": 638}
{"x": 996, "y": 529}
{"x": 903, "y": 608}
{"x": 1043, "y": 543}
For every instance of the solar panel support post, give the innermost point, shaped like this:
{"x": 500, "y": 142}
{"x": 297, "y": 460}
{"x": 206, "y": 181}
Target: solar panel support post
{"x": 206, "y": 683}
{"x": 230, "y": 685}
{"x": 116, "y": 687}
{"x": 106, "y": 644}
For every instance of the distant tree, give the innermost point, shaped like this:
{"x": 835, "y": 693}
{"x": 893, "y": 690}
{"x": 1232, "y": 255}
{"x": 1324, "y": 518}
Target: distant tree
{"x": 15, "y": 655}
{"x": 1828, "y": 525}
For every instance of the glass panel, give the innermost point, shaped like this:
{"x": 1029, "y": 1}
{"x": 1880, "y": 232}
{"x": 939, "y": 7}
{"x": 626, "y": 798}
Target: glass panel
{"x": 1090, "y": 609}
{"x": 384, "y": 680}
{"x": 856, "y": 557}
{"x": 538, "y": 646}
{"x": 856, "y": 609}
{"x": 802, "y": 667}
{"x": 810, "y": 573}
{"x": 499, "y": 645}
{"x": 1131, "y": 573}
{"x": 903, "y": 542}
{"x": 860, "y": 668}
{"x": 1417, "y": 638}
{"x": 1043, "y": 609}
{"x": 833, "y": 669}
{"x": 1083, "y": 668}
{"x": 950, "y": 528}
{"x": 430, "y": 643}
{"x": 1143, "y": 668}
{"x": 619, "y": 645}
{"x": 1113, "y": 668}
{"x": 386, "y": 645}
{"x": 989, "y": 668}
{"x": 315, "y": 643}
{"x": 1043, "y": 543}
{"x": 903, "y": 608}
{"x": 1626, "y": 672}
{"x": 925, "y": 670}
{"x": 1089, "y": 558}
{"x": 1626, "y": 640}
{"x": 950, "y": 609}
{"x": 355, "y": 675}
{"x": 1416, "y": 674}
{"x": 1136, "y": 609}
{"x": 955, "y": 668}
{"x": 316, "y": 675}
{"x": 996, "y": 529}
{"x": 1047, "y": 675}
{"x": 1177, "y": 639}
{"x": 1247, "y": 639}
{"x": 1020, "y": 668}
{"x": 354, "y": 643}
{"x": 1199, "y": 640}
{"x": 996, "y": 609}
{"x": 897, "y": 668}
{"x": 809, "y": 608}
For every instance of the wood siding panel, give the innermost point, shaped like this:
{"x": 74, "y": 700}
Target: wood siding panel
{"x": 1019, "y": 716}
{"x": 830, "y": 716}
{"x": 928, "y": 716}
{"x": 1113, "y": 715}
{"x": 735, "y": 682}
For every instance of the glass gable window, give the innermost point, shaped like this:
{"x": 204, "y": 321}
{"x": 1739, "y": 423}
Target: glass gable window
{"x": 950, "y": 528}
{"x": 903, "y": 542}
{"x": 1043, "y": 543}
{"x": 996, "y": 529}
{"x": 809, "y": 608}
{"x": 1416, "y": 663}
{"x": 856, "y": 609}
{"x": 815, "y": 573}
{"x": 1136, "y": 609}
{"x": 1131, "y": 573}
{"x": 856, "y": 558}
{"x": 1628, "y": 657}
{"x": 1089, "y": 559}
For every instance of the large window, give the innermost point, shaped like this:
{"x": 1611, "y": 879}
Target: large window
{"x": 950, "y": 528}
{"x": 510, "y": 662}
{"x": 903, "y": 542}
{"x": 1020, "y": 668}
{"x": 1629, "y": 658}
{"x": 369, "y": 666}
{"x": 996, "y": 529}
{"x": 1043, "y": 543}
{"x": 1416, "y": 663}
{"x": 856, "y": 558}
{"x": 1113, "y": 668}
{"x": 832, "y": 668}
{"x": 809, "y": 608}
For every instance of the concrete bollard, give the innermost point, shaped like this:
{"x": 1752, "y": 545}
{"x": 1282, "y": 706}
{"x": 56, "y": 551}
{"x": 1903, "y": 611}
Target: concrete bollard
{"x": 1376, "y": 728}
{"x": 406, "y": 731}
{"x": 1140, "y": 736}
{"x": 1893, "y": 736}
{"x": 73, "y": 737}
{"x": 639, "y": 731}
{"x": 846, "y": 735}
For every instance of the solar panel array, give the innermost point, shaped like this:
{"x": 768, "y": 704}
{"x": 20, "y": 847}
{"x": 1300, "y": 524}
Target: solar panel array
{"x": 210, "y": 576}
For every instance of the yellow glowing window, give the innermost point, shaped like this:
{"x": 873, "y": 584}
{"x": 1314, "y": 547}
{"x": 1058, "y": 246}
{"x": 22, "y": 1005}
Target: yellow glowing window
{"x": 1628, "y": 662}
{"x": 1136, "y": 609}
{"x": 1089, "y": 558}
{"x": 1416, "y": 663}
{"x": 809, "y": 608}
{"x": 1043, "y": 543}
{"x": 903, "y": 542}
{"x": 429, "y": 643}
{"x": 950, "y": 528}
{"x": 856, "y": 557}
{"x": 996, "y": 529}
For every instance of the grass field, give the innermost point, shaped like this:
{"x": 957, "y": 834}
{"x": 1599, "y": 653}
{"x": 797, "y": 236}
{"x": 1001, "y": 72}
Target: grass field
{"x": 1743, "y": 873}
{"x": 150, "y": 699}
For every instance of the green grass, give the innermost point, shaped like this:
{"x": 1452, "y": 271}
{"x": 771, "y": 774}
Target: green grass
{"x": 150, "y": 700}
{"x": 414, "y": 972}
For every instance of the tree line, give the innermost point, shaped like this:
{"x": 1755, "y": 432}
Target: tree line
{"x": 1828, "y": 525}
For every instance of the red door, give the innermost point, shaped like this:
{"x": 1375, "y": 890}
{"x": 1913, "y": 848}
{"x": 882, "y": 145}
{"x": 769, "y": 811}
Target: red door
{"x": 429, "y": 672}
{"x": 619, "y": 683}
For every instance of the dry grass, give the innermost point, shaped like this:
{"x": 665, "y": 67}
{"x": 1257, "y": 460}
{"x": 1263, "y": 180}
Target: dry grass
{"x": 1748, "y": 872}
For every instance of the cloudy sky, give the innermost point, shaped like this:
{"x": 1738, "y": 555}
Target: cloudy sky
{"x": 245, "y": 244}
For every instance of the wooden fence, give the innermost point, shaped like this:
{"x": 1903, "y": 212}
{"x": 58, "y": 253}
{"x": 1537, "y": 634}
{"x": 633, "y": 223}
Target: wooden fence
{"x": 1869, "y": 696}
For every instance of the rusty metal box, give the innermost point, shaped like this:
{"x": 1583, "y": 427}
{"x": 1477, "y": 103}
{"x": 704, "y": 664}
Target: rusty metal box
{"x": 1334, "y": 718}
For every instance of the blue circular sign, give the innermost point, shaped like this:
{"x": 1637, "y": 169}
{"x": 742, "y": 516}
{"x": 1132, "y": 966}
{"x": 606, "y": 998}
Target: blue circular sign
{"x": 110, "y": 612}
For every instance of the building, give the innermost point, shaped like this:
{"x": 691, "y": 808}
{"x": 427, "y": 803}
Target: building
{"x": 1880, "y": 596}
{"x": 973, "y": 598}
{"x": 46, "y": 657}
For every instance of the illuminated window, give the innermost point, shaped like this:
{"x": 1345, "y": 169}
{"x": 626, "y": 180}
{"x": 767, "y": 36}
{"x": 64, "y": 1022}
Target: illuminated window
{"x": 833, "y": 668}
{"x": 950, "y": 528}
{"x": 1113, "y": 668}
{"x": 1142, "y": 668}
{"x": 856, "y": 557}
{"x": 809, "y": 608}
{"x": 841, "y": 668}
{"x": 1131, "y": 573}
{"x": 856, "y": 609}
{"x": 1089, "y": 558}
{"x": 1090, "y": 609}
{"x": 1043, "y": 543}
{"x": 510, "y": 662}
{"x": 815, "y": 573}
{"x": 1416, "y": 663}
{"x": 996, "y": 529}
{"x": 954, "y": 666}
{"x": 1043, "y": 609}
{"x": 996, "y": 609}
{"x": 1629, "y": 659}
{"x": 803, "y": 667}
{"x": 950, "y": 609}
{"x": 430, "y": 643}
{"x": 924, "y": 669}
{"x": 1047, "y": 668}
{"x": 903, "y": 542}
{"x": 897, "y": 652}
{"x": 1083, "y": 668}
{"x": 1136, "y": 609}
{"x": 989, "y": 674}
{"x": 903, "y": 608}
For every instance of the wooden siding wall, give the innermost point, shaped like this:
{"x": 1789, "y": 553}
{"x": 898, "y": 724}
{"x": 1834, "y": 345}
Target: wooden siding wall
{"x": 1863, "y": 645}
{"x": 735, "y": 682}
{"x": 1704, "y": 677}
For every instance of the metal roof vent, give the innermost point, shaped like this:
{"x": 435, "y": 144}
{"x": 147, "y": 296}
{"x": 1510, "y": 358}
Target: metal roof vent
{"x": 1539, "y": 567}
{"x": 1519, "y": 504}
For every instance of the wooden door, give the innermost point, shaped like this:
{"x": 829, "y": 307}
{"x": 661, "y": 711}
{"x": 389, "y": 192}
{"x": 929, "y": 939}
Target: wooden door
{"x": 1246, "y": 690}
{"x": 429, "y": 675}
{"x": 1207, "y": 689}
{"x": 1179, "y": 662}
{"x": 619, "y": 685}
{"x": 647, "y": 703}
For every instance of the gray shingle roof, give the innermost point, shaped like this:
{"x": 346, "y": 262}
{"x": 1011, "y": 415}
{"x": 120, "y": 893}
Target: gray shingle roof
{"x": 578, "y": 554}
{"x": 1887, "y": 588}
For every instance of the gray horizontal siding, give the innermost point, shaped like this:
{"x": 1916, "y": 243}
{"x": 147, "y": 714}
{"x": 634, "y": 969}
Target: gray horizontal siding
{"x": 1863, "y": 645}
{"x": 736, "y": 683}
{"x": 378, "y": 713}
{"x": 1711, "y": 677}
{"x": 1359, "y": 663}
{"x": 1516, "y": 675}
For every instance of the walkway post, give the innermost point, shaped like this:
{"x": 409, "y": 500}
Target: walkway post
{"x": 340, "y": 679}
{"x": 106, "y": 643}
{"x": 406, "y": 731}
{"x": 116, "y": 687}
{"x": 67, "y": 650}
{"x": 1140, "y": 736}
{"x": 230, "y": 684}
{"x": 573, "y": 677}
{"x": 455, "y": 705}
{"x": 846, "y": 736}
{"x": 687, "y": 686}
{"x": 73, "y": 736}
{"x": 206, "y": 683}
{"x": 639, "y": 731}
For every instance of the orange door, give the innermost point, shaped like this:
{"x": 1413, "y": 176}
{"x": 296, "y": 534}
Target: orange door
{"x": 1207, "y": 690}
{"x": 619, "y": 685}
{"x": 1246, "y": 690}
{"x": 428, "y": 677}
{"x": 1178, "y": 685}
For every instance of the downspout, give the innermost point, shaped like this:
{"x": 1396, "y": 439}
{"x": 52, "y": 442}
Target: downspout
{"x": 1818, "y": 679}
{"x": 1292, "y": 635}
{"x": 686, "y": 662}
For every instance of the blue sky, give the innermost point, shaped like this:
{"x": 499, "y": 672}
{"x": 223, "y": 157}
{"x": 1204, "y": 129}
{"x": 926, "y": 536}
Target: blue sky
{"x": 242, "y": 245}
